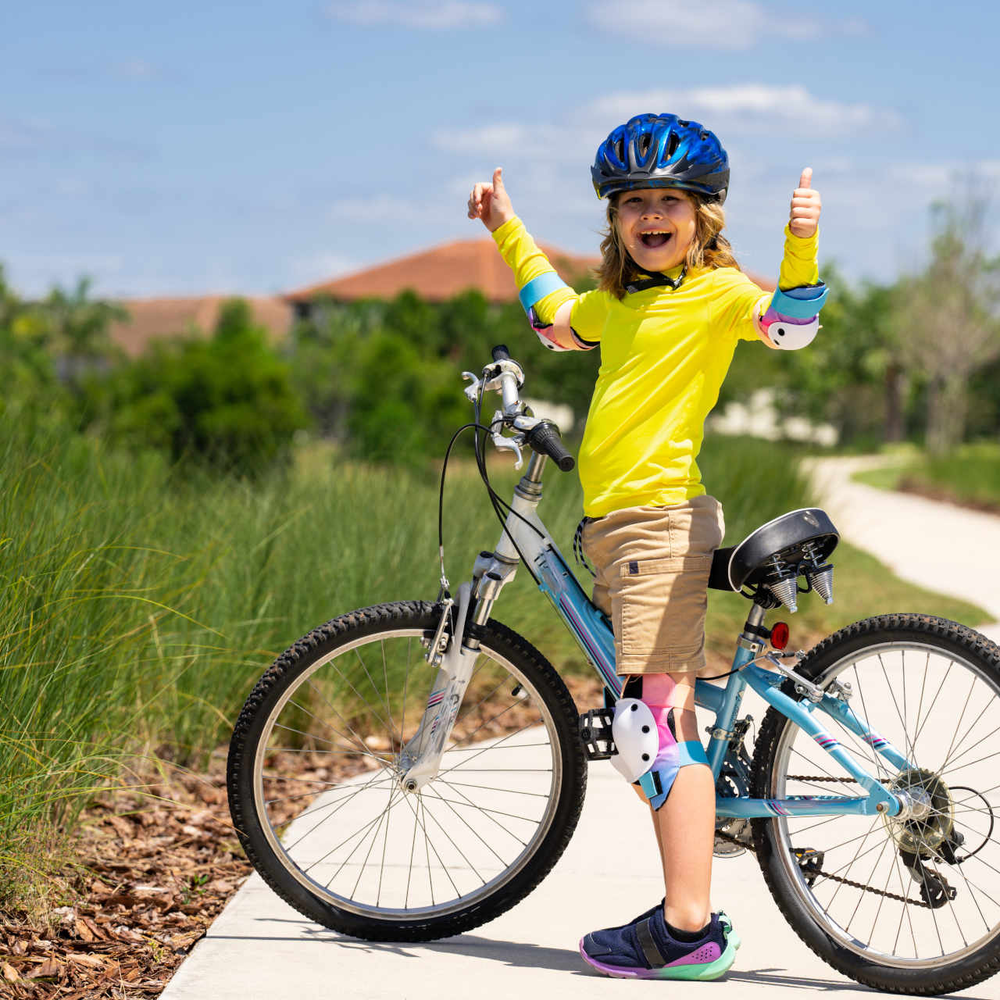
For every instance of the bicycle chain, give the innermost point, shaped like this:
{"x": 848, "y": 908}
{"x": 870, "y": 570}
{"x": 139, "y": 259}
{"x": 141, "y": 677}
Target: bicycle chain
{"x": 819, "y": 871}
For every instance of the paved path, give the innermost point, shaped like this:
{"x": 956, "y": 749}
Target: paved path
{"x": 259, "y": 947}
{"x": 945, "y": 548}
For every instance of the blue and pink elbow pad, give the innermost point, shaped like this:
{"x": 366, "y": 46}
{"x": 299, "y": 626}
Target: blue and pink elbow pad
{"x": 792, "y": 318}
{"x": 531, "y": 294}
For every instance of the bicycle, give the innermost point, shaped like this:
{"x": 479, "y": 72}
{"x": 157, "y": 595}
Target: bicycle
{"x": 411, "y": 770}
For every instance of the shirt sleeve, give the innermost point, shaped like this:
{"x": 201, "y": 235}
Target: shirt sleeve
{"x": 737, "y": 303}
{"x": 799, "y": 266}
{"x": 589, "y": 315}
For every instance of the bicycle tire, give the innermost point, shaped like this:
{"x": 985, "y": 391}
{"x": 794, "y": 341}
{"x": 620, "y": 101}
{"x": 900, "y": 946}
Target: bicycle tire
{"x": 915, "y": 668}
{"x": 312, "y": 728}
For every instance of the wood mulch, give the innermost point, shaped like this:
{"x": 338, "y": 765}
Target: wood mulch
{"x": 151, "y": 872}
{"x": 152, "y": 869}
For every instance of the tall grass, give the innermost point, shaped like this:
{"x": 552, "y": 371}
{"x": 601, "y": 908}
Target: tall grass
{"x": 140, "y": 606}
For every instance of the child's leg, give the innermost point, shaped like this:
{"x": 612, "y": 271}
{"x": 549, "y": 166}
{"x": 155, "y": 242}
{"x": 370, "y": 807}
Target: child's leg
{"x": 685, "y": 823}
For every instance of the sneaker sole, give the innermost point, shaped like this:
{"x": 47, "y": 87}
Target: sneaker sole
{"x": 694, "y": 971}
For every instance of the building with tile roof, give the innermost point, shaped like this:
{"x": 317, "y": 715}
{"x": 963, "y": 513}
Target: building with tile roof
{"x": 162, "y": 318}
{"x": 438, "y": 274}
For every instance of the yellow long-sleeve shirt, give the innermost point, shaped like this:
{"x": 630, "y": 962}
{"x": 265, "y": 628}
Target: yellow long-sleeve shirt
{"x": 664, "y": 354}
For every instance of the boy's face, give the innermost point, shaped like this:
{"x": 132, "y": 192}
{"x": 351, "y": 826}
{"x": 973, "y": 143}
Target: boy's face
{"x": 656, "y": 226}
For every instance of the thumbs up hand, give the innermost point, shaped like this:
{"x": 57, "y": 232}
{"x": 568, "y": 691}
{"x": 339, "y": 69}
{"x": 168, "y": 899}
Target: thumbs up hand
{"x": 803, "y": 218}
{"x": 490, "y": 203}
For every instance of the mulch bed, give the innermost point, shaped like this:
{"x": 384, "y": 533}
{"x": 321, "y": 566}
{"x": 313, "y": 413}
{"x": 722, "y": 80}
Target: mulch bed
{"x": 150, "y": 876}
{"x": 152, "y": 870}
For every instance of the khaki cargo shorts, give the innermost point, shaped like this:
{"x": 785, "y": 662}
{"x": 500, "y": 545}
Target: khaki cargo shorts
{"x": 652, "y": 566}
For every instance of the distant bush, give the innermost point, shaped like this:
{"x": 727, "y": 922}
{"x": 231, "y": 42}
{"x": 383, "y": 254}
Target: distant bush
{"x": 228, "y": 401}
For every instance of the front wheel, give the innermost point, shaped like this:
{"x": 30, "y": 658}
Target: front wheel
{"x": 315, "y": 768}
{"x": 913, "y": 905}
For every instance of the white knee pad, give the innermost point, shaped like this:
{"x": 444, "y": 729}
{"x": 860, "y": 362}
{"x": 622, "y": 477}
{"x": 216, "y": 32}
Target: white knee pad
{"x": 636, "y": 737}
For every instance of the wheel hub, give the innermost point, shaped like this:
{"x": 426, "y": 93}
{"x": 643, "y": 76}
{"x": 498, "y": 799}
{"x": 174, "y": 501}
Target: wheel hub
{"x": 927, "y": 818}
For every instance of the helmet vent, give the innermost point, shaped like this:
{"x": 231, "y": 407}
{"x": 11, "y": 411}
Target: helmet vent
{"x": 672, "y": 143}
{"x": 704, "y": 136}
{"x": 682, "y": 123}
{"x": 620, "y": 149}
{"x": 644, "y": 143}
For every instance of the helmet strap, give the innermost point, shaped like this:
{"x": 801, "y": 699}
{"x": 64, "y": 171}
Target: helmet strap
{"x": 657, "y": 280}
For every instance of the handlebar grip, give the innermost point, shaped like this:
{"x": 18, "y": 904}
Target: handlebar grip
{"x": 500, "y": 353}
{"x": 545, "y": 438}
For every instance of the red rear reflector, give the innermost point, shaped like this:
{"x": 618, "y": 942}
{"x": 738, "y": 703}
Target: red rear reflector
{"x": 779, "y": 635}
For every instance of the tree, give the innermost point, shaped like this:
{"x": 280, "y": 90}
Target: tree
{"x": 228, "y": 401}
{"x": 79, "y": 327}
{"x": 948, "y": 315}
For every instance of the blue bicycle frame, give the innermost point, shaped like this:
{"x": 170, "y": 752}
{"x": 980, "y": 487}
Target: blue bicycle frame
{"x": 592, "y": 631}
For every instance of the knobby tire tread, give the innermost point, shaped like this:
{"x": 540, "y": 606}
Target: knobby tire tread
{"x": 414, "y": 614}
{"x": 965, "y": 973}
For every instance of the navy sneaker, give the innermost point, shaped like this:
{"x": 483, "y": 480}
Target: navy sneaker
{"x": 644, "y": 949}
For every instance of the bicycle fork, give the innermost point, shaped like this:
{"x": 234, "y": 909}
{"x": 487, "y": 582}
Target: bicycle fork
{"x": 420, "y": 758}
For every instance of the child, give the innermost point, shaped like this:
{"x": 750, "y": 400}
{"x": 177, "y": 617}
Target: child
{"x": 670, "y": 307}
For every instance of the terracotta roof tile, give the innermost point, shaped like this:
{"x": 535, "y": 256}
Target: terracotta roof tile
{"x": 159, "y": 318}
{"x": 441, "y": 273}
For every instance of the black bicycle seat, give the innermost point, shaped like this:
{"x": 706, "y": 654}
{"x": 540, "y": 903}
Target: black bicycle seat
{"x": 806, "y": 535}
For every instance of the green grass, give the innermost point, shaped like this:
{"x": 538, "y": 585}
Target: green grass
{"x": 970, "y": 476}
{"x": 140, "y": 607}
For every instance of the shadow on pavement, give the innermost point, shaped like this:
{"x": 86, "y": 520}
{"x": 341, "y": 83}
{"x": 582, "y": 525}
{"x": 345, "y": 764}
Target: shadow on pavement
{"x": 521, "y": 955}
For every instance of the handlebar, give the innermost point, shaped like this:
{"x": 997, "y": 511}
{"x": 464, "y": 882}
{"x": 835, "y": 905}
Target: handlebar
{"x": 505, "y": 376}
{"x": 544, "y": 437}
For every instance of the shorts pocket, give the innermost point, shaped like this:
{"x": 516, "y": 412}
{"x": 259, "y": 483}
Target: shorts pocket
{"x": 661, "y": 607}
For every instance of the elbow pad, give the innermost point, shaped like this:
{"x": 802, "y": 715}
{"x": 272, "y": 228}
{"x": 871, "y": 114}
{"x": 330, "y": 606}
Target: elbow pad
{"x": 533, "y": 293}
{"x": 541, "y": 290}
{"x": 792, "y": 318}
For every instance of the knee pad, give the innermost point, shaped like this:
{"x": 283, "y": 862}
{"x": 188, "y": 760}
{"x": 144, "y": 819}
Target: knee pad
{"x": 648, "y": 752}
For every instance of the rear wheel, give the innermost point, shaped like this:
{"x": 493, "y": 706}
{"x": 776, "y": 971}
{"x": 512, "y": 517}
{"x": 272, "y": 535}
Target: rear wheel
{"x": 315, "y": 767}
{"x": 913, "y": 905}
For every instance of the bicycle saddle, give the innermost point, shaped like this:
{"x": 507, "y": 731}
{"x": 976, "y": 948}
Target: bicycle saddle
{"x": 776, "y": 550}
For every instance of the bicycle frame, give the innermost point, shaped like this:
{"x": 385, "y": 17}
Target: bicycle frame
{"x": 525, "y": 537}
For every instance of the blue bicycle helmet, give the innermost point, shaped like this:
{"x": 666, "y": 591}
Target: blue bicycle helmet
{"x": 651, "y": 151}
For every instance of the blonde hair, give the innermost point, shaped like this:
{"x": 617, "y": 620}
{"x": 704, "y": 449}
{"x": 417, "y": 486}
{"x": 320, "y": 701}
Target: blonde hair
{"x": 709, "y": 248}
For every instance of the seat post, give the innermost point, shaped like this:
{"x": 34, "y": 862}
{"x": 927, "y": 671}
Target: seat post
{"x": 752, "y": 637}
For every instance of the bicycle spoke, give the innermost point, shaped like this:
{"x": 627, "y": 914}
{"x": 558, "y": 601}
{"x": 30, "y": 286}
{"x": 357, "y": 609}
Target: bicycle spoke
{"x": 965, "y": 735}
{"x": 958, "y": 725}
{"x": 340, "y": 803}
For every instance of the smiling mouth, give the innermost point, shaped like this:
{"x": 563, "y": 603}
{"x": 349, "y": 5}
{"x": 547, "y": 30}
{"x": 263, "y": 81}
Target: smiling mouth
{"x": 654, "y": 240}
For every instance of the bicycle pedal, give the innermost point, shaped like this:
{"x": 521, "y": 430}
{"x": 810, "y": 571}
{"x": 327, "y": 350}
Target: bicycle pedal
{"x": 595, "y": 732}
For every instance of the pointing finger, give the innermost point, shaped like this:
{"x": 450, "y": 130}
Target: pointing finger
{"x": 805, "y": 180}
{"x": 498, "y": 178}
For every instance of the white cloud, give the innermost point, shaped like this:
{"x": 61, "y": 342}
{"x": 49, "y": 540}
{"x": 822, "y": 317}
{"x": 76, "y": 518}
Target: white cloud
{"x": 722, "y": 24}
{"x": 750, "y": 107}
{"x": 496, "y": 139}
{"x": 404, "y": 207}
{"x": 940, "y": 177}
{"x": 322, "y": 267}
{"x": 135, "y": 69}
{"x": 435, "y": 15}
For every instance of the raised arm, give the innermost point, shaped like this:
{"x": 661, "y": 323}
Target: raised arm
{"x": 546, "y": 298}
{"x": 791, "y": 318}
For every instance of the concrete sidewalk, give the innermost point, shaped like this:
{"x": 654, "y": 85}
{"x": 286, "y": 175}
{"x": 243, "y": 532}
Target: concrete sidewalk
{"x": 945, "y": 548}
{"x": 260, "y": 948}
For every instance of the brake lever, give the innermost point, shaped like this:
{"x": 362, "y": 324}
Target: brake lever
{"x": 472, "y": 391}
{"x": 502, "y": 443}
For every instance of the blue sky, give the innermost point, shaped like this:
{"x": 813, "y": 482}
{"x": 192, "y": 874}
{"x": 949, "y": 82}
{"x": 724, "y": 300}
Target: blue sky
{"x": 255, "y": 147}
